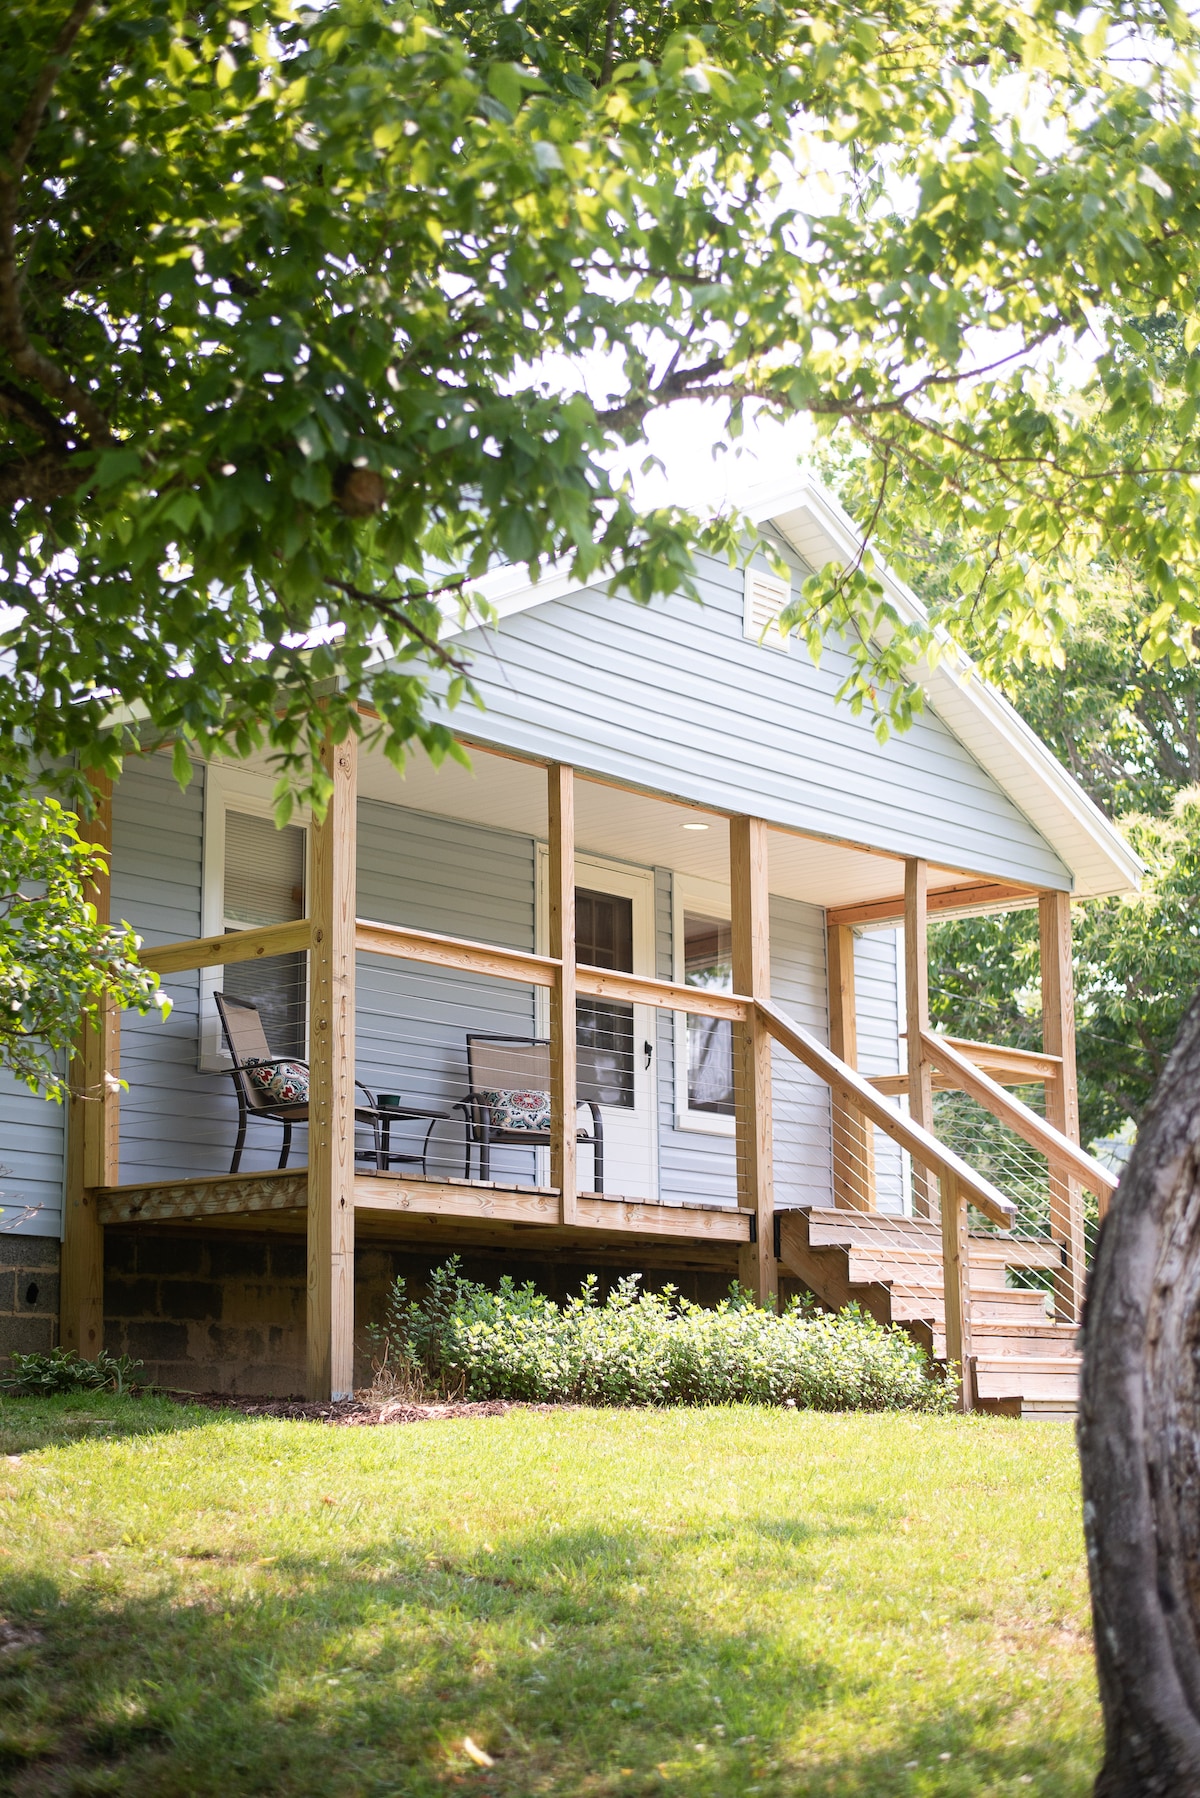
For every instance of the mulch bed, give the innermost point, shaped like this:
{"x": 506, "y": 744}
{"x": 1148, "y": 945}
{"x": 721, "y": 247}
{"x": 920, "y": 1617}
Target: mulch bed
{"x": 347, "y": 1410}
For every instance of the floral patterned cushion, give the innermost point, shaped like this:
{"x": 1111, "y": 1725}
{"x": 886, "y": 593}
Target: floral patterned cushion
{"x": 280, "y": 1082}
{"x": 516, "y": 1110}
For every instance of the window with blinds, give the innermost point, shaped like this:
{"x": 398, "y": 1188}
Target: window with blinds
{"x": 766, "y": 596}
{"x": 264, "y": 884}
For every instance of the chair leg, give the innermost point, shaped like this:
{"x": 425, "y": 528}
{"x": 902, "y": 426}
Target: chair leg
{"x": 485, "y": 1156}
{"x": 286, "y": 1150}
{"x": 425, "y": 1149}
{"x": 239, "y": 1145}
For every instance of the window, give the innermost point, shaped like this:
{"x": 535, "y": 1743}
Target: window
{"x": 253, "y": 875}
{"x": 604, "y": 939}
{"x": 264, "y": 884}
{"x": 703, "y": 1046}
{"x": 708, "y": 964}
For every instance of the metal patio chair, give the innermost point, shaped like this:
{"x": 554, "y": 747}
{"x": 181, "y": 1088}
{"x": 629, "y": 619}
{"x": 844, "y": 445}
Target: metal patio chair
{"x": 508, "y": 1064}
{"x": 247, "y": 1043}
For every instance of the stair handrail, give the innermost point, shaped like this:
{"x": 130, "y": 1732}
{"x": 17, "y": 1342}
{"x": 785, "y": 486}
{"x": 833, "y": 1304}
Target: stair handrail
{"x": 1066, "y": 1158}
{"x": 855, "y": 1090}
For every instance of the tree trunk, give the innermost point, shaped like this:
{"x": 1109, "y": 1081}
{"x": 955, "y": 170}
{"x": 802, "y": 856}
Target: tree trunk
{"x": 1139, "y": 1443}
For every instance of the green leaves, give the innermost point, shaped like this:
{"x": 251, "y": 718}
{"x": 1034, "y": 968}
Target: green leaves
{"x": 56, "y": 961}
{"x": 646, "y": 1348}
{"x": 378, "y": 240}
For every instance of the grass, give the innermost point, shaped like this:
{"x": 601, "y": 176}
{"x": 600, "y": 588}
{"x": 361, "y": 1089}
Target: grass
{"x": 707, "y": 1602}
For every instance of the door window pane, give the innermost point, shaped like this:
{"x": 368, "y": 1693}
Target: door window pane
{"x": 708, "y": 964}
{"x": 604, "y": 939}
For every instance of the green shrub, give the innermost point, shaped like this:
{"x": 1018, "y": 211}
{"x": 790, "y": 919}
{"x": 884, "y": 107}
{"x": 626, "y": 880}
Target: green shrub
{"x": 62, "y": 1370}
{"x": 648, "y": 1348}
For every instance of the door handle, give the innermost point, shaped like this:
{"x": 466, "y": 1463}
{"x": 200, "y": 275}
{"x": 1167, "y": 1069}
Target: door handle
{"x": 648, "y": 1052}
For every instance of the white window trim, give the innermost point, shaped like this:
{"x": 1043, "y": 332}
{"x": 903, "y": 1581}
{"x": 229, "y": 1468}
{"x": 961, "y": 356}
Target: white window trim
{"x": 711, "y": 898}
{"x": 229, "y": 789}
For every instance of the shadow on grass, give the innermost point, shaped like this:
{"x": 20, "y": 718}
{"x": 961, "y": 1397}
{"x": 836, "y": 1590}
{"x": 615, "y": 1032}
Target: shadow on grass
{"x": 576, "y": 1662}
{"x": 29, "y": 1423}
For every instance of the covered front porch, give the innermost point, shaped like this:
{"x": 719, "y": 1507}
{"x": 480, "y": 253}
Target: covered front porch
{"x": 737, "y": 1084}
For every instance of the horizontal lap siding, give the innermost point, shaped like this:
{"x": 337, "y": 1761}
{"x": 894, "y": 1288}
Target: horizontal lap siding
{"x": 675, "y": 698}
{"x": 460, "y": 880}
{"x": 175, "y": 1121}
{"x": 803, "y": 1150}
{"x": 32, "y": 1147}
{"x": 877, "y": 1009}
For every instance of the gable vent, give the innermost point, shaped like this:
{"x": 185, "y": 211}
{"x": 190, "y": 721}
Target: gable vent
{"x": 766, "y": 596}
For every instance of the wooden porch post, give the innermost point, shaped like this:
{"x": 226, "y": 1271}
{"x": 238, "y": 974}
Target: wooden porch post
{"x": 93, "y": 1130}
{"x": 1062, "y": 1097}
{"x": 331, "y": 977}
{"x": 956, "y": 1271}
{"x": 563, "y": 1043}
{"x": 916, "y": 987}
{"x": 853, "y": 1137}
{"x": 751, "y": 931}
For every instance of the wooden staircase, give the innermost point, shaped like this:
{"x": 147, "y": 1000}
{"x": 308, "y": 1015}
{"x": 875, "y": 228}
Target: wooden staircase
{"x": 1023, "y": 1364}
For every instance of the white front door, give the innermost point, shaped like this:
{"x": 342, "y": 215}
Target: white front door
{"x": 614, "y": 928}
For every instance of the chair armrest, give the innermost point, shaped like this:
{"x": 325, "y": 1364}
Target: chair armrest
{"x": 597, "y": 1120}
{"x": 371, "y": 1096}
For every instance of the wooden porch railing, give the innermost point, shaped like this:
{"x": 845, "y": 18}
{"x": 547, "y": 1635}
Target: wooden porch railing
{"x": 966, "y": 1066}
{"x": 1066, "y": 1158}
{"x": 959, "y": 1183}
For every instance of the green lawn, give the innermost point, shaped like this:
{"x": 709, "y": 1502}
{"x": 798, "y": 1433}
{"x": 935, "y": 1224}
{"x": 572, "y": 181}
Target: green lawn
{"x": 710, "y": 1602}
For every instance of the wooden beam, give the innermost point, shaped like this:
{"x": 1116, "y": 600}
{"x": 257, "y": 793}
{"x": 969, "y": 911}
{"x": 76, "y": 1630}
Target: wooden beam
{"x": 93, "y": 1128}
{"x": 539, "y": 1206}
{"x": 853, "y": 1137}
{"x": 1064, "y": 1156}
{"x": 640, "y": 989}
{"x": 564, "y": 1126}
{"x": 1014, "y": 1067}
{"x": 965, "y": 897}
{"x": 751, "y": 933}
{"x": 541, "y": 970}
{"x": 921, "y": 1145}
{"x": 1011, "y": 1067}
{"x": 1062, "y": 1099}
{"x": 956, "y": 1280}
{"x": 331, "y": 1073}
{"x": 487, "y": 959}
{"x": 916, "y": 990}
{"x": 215, "y": 1195}
{"x": 235, "y": 945}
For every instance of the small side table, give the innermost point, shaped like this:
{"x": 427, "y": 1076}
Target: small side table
{"x": 405, "y": 1114}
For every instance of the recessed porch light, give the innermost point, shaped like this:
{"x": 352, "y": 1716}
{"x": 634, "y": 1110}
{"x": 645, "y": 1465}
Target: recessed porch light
{"x": 695, "y": 827}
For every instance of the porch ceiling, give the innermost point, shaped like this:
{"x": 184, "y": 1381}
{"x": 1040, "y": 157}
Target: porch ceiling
{"x": 509, "y": 794}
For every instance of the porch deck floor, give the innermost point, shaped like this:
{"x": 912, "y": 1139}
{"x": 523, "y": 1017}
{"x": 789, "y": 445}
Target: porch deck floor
{"x": 408, "y": 1206}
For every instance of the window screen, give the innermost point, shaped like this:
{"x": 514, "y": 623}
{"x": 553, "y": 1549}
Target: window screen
{"x": 708, "y": 964}
{"x": 264, "y": 884}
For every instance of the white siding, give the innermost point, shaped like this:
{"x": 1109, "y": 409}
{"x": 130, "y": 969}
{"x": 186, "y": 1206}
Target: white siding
{"x": 877, "y": 1012}
{"x": 32, "y": 1144}
{"x": 461, "y": 880}
{"x": 673, "y": 697}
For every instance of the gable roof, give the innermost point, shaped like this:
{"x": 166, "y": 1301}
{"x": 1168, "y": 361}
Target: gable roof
{"x": 817, "y": 529}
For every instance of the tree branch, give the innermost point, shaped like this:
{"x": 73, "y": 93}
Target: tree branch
{"x": 393, "y": 609}
{"x": 27, "y": 360}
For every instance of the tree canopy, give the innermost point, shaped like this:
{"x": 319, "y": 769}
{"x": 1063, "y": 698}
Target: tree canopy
{"x": 294, "y": 305}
